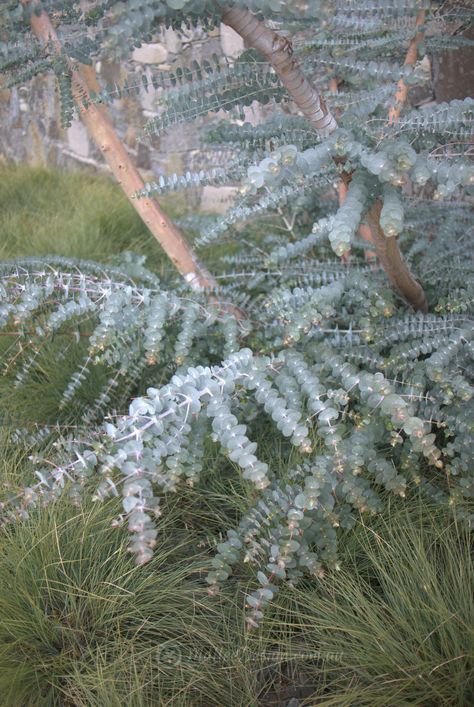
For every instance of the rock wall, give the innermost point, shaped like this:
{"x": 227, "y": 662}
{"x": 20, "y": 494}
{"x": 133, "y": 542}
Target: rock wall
{"x": 31, "y": 130}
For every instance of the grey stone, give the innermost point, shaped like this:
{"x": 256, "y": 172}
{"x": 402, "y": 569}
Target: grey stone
{"x": 232, "y": 43}
{"x": 150, "y": 54}
{"x": 217, "y": 200}
{"x": 78, "y": 139}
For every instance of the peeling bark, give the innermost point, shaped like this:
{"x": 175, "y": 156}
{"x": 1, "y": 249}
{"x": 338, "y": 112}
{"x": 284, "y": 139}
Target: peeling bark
{"x": 279, "y": 53}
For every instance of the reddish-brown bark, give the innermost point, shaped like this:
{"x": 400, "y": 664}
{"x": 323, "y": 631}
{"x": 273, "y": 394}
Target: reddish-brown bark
{"x": 279, "y": 53}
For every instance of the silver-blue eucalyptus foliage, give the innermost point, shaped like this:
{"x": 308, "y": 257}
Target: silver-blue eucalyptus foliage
{"x": 368, "y": 398}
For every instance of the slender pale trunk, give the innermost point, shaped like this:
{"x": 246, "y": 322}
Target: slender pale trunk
{"x": 279, "y": 53}
{"x": 100, "y": 127}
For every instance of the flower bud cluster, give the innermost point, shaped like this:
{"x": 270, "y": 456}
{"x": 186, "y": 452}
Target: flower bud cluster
{"x": 383, "y": 70}
{"x": 160, "y": 442}
{"x": 450, "y": 176}
{"x": 127, "y": 322}
{"x": 156, "y": 317}
{"x": 300, "y": 310}
{"x": 455, "y": 116}
{"x": 230, "y": 331}
{"x": 115, "y": 318}
{"x": 271, "y": 170}
{"x": 21, "y": 301}
{"x": 236, "y": 444}
{"x": 288, "y": 421}
{"x": 300, "y": 247}
{"x": 188, "y": 332}
{"x": 438, "y": 361}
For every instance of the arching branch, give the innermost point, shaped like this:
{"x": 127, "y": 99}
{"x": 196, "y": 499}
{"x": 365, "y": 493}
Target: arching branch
{"x": 393, "y": 263}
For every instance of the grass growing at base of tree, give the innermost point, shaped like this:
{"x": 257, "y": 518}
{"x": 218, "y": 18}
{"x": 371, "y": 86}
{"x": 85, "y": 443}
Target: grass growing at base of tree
{"x": 397, "y": 622}
{"x": 46, "y": 212}
{"x": 81, "y": 626}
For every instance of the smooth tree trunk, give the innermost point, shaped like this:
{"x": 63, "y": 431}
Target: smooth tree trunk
{"x": 393, "y": 263}
{"x": 101, "y": 129}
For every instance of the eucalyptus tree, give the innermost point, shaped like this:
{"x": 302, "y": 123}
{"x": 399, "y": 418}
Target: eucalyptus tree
{"x": 368, "y": 382}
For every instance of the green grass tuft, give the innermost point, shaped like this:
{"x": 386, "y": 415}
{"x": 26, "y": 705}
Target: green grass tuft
{"x": 396, "y": 625}
{"x": 81, "y": 626}
{"x": 46, "y": 212}
{"x": 78, "y": 622}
